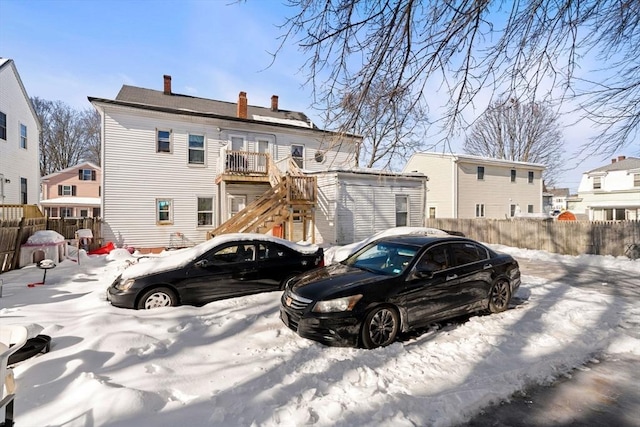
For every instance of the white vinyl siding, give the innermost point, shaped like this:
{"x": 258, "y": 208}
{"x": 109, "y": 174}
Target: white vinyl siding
{"x": 17, "y": 162}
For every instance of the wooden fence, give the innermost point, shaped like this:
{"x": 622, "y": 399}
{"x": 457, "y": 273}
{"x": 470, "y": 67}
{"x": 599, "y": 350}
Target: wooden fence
{"x": 563, "y": 237}
{"x": 14, "y": 233}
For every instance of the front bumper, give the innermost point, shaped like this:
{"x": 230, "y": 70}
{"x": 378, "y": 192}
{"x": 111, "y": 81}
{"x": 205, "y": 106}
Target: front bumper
{"x": 124, "y": 299}
{"x": 340, "y": 330}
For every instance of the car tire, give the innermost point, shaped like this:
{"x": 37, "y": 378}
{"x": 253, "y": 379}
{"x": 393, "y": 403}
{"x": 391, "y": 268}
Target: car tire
{"x": 499, "y": 296}
{"x": 380, "y": 327}
{"x": 157, "y": 297}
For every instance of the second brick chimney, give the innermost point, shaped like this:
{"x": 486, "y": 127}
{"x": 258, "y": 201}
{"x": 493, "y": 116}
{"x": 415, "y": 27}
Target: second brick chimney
{"x": 167, "y": 84}
{"x": 242, "y": 105}
{"x": 274, "y": 103}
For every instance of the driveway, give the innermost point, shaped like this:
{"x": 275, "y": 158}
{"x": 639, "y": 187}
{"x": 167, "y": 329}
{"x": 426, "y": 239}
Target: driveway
{"x": 605, "y": 392}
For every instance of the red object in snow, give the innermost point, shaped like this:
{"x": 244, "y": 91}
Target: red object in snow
{"x": 103, "y": 250}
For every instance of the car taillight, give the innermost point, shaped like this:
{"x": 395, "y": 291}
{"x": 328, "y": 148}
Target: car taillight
{"x": 320, "y": 262}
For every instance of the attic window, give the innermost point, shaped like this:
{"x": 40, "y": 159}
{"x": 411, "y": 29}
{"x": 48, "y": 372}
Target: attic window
{"x": 597, "y": 183}
{"x": 86, "y": 175}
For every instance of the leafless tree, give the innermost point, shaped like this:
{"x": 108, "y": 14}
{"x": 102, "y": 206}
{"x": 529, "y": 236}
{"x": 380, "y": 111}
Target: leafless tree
{"x": 514, "y": 131}
{"x": 531, "y": 50}
{"x": 68, "y": 137}
{"x": 391, "y": 126}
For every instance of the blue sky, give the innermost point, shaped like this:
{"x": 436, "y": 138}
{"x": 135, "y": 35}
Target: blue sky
{"x": 69, "y": 49}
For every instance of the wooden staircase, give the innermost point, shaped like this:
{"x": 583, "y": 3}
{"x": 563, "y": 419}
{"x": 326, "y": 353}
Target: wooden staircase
{"x": 290, "y": 194}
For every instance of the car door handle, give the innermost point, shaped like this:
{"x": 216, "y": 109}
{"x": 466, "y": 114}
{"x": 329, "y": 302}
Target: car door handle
{"x": 487, "y": 266}
{"x": 452, "y": 276}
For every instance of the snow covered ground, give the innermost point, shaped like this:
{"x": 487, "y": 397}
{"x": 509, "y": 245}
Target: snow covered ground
{"x": 233, "y": 363}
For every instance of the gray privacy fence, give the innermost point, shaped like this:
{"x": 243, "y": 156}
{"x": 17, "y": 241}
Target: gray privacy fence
{"x": 562, "y": 237}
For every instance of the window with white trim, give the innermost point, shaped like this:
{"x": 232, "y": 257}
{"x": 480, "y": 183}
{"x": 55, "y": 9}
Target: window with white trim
{"x": 163, "y": 144}
{"x": 513, "y": 175}
{"x": 402, "y": 210}
{"x": 480, "y": 173}
{"x": 529, "y": 208}
{"x": 530, "y": 177}
{"x": 86, "y": 174}
{"x": 597, "y": 182}
{"x": 3, "y": 126}
{"x": 636, "y": 179}
{"x": 432, "y": 212}
{"x": 23, "y": 191}
{"x": 196, "y": 149}
{"x": 66, "y": 212}
{"x": 66, "y": 190}
{"x": 205, "y": 211}
{"x": 23, "y": 136}
{"x": 297, "y": 154}
{"x": 164, "y": 211}
{"x": 479, "y": 210}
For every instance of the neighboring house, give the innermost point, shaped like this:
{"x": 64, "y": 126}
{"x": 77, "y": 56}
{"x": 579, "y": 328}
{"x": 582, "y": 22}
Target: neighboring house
{"x": 610, "y": 192}
{"x": 73, "y": 192}
{"x": 558, "y": 198}
{"x": 464, "y": 186}
{"x": 354, "y": 204}
{"x": 180, "y": 166}
{"x": 19, "y": 140}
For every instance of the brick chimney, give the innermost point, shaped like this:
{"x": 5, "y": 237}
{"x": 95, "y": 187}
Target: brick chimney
{"x": 274, "y": 103}
{"x": 621, "y": 158}
{"x": 242, "y": 105}
{"x": 167, "y": 84}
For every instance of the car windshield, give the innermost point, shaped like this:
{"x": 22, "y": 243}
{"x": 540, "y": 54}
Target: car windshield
{"x": 383, "y": 258}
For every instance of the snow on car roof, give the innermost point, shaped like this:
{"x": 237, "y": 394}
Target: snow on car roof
{"x": 173, "y": 259}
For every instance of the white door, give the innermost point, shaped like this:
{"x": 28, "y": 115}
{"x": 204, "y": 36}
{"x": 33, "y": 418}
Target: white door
{"x": 235, "y": 204}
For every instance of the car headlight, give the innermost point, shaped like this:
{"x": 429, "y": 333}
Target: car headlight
{"x": 337, "y": 305}
{"x": 125, "y": 285}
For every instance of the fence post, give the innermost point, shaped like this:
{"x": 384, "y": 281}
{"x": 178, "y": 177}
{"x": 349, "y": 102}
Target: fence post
{"x": 16, "y": 245}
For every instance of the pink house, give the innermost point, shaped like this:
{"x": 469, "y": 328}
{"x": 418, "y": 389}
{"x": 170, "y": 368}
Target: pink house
{"x": 73, "y": 192}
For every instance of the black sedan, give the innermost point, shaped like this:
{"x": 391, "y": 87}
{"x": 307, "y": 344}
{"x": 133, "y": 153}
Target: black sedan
{"x": 226, "y": 266}
{"x": 397, "y": 284}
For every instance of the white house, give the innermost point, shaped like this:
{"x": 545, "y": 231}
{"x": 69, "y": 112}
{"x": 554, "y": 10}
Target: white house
{"x": 354, "y": 204}
{"x": 177, "y": 165}
{"x": 19, "y": 140}
{"x": 464, "y": 186}
{"x": 610, "y": 192}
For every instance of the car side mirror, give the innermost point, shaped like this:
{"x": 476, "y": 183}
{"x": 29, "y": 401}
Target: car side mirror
{"x": 203, "y": 263}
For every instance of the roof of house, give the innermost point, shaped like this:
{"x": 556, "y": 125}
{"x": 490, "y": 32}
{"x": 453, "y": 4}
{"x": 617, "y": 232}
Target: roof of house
{"x": 467, "y": 158}
{"x": 621, "y": 164}
{"x": 559, "y": 192}
{"x": 176, "y": 101}
{"x": 71, "y": 201}
{"x": 78, "y": 166}
{"x": 6, "y": 62}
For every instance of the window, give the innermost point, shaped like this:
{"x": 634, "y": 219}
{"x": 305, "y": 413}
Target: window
{"x": 530, "y": 177}
{"x": 86, "y": 175}
{"x": 467, "y": 253}
{"x": 233, "y": 254}
{"x": 66, "y": 190}
{"x": 597, "y": 183}
{"x": 432, "y": 212}
{"x": 263, "y": 149}
{"x": 205, "y": 211}
{"x": 435, "y": 259}
{"x": 480, "y": 173}
{"x": 96, "y": 212}
{"x": 196, "y": 149}
{"x": 512, "y": 210}
{"x": 23, "y": 191}
{"x": 402, "y": 211}
{"x": 3, "y": 126}
{"x": 480, "y": 210}
{"x": 23, "y": 136}
{"x": 164, "y": 141}
{"x": 530, "y": 208}
{"x": 297, "y": 152}
{"x": 513, "y": 175}
{"x": 53, "y": 212}
{"x": 297, "y": 215}
{"x": 636, "y": 179}
{"x": 66, "y": 212}
{"x": 163, "y": 211}
{"x": 84, "y": 213}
